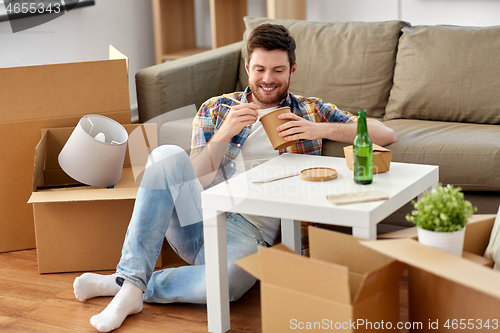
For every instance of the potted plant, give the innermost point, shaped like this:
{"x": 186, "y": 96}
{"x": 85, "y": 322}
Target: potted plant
{"x": 440, "y": 217}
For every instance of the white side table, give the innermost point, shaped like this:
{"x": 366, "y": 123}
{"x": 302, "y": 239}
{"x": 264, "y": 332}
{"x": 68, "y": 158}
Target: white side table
{"x": 294, "y": 200}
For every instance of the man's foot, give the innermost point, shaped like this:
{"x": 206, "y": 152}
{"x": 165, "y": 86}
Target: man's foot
{"x": 90, "y": 285}
{"x": 128, "y": 301}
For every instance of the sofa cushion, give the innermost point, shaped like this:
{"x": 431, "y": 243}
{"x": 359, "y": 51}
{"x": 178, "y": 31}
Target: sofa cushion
{"x": 333, "y": 148}
{"x": 468, "y": 155}
{"x": 348, "y": 64}
{"x": 177, "y": 132}
{"x": 447, "y": 73}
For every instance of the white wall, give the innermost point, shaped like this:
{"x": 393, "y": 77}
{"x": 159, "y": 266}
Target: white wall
{"x": 84, "y": 34}
{"x": 455, "y": 12}
{"x": 417, "y": 12}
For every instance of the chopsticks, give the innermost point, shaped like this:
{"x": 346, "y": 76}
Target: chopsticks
{"x": 239, "y": 102}
{"x": 259, "y": 112}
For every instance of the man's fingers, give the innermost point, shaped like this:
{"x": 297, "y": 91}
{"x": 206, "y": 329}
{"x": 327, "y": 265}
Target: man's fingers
{"x": 243, "y": 106}
{"x": 289, "y": 116}
{"x": 243, "y": 117}
{"x": 287, "y": 125}
{"x": 246, "y": 111}
{"x": 243, "y": 109}
{"x": 248, "y": 118}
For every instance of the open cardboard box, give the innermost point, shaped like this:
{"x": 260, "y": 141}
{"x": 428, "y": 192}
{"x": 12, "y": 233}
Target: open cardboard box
{"x": 47, "y": 96}
{"x": 343, "y": 285}
{"x": 381, "y": 158}
{"x": 80, "y": 227}
{"x": 446, "y": 292}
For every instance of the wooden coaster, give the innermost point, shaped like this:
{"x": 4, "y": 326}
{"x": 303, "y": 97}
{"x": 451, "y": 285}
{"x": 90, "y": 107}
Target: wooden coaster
{"x": 318, "y": 174}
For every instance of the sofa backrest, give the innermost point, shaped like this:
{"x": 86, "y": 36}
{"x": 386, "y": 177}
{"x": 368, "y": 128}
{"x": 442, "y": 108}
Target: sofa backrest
{"x": 447, "y": 73}
{"x": 349, "y": 64}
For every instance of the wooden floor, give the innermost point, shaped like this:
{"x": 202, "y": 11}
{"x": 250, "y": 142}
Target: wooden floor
{"x": 30, "y": 302}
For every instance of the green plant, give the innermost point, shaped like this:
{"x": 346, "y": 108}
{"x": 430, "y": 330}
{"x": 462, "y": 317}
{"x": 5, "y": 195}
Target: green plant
{"x": 443, "y": 210}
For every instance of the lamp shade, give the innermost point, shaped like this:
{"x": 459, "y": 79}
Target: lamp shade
{"x": 95, "y": 151}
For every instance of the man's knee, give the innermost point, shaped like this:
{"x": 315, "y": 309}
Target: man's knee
{"x": 167, "y": 151}
{"x": 164, "y": 162}
{"x": 164, "y": 152}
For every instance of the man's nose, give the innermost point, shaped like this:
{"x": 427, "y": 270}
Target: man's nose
{"x": 268, "y": 77}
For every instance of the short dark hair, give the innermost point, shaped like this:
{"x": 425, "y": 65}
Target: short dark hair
{"x": 272, "y": 37}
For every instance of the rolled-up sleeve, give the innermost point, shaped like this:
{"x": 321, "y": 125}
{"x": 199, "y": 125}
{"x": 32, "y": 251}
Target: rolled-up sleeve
{"x": 203, "y": 126}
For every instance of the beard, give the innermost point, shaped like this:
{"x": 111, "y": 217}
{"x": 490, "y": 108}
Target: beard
{"x": 274, "y": 97}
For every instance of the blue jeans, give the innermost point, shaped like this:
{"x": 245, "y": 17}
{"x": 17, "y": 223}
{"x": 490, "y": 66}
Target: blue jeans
{"x": 168, "y": 204}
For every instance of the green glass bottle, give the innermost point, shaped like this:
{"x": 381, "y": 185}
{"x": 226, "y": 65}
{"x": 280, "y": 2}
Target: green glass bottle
{"x": 362, "y": 153}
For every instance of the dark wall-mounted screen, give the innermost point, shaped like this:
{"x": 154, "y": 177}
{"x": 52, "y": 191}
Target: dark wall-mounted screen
{"x": 36, "y": 12}
{"x": 15, "y": 9}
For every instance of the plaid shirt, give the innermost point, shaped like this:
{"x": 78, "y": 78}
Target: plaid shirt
{"x": 212, "y": 113}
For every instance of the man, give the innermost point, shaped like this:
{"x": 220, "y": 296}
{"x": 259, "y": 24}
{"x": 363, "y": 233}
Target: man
{"x": 168, "y": 200}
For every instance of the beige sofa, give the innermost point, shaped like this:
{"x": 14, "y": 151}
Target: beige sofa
{"x": 437, "y": 87}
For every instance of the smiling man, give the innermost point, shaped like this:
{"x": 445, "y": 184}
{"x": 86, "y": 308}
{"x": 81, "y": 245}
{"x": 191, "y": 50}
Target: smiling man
{"x": 168, "y": 202}
{"x": 226, "y": 122}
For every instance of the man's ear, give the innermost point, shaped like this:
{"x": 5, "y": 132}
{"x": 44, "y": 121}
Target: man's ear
{"x": 246, "y": 65}
{"x": 293, "y": 69}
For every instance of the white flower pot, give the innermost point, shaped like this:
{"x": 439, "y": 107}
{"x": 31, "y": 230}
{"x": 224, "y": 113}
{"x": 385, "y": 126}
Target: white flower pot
{"x": 451, "y": 242}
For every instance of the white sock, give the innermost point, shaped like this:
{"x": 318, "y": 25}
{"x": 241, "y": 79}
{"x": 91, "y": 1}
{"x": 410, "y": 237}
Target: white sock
{"x": 128, "y": 301}
{"x": 90, "y": 285}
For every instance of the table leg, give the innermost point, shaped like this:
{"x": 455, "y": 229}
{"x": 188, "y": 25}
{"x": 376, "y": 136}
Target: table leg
{"x": 366, "y": 233}
{"x": 214, "y": 232}
{"x": 291, "y": 234}
{"x": 421, "y": 195}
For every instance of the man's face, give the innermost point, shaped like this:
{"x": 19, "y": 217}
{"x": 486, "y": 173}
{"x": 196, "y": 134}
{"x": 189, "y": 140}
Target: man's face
{"x": 269, "y": 76}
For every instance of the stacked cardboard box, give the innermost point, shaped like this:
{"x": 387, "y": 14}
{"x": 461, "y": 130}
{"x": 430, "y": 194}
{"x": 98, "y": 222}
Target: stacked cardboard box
{"x": 48, "y": 96}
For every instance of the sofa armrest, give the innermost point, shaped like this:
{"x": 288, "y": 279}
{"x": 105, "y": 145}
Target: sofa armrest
{"x": 186, "y": 81}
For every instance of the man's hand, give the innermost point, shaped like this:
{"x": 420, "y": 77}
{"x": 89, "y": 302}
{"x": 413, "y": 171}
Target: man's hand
{"x": 237, "y": 118}
{"x": 298, "y": 128}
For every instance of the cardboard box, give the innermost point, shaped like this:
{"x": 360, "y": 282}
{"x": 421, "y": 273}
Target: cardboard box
{"x": 80, "y": 227}
{"x": 341, "y": 286}
{"x": 37, "y": 97}
{"x": 381, "y": 158}
{"x": 446, "y": 292}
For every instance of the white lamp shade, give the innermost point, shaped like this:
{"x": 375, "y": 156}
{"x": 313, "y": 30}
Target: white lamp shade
{"x": 89, "y": 160}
